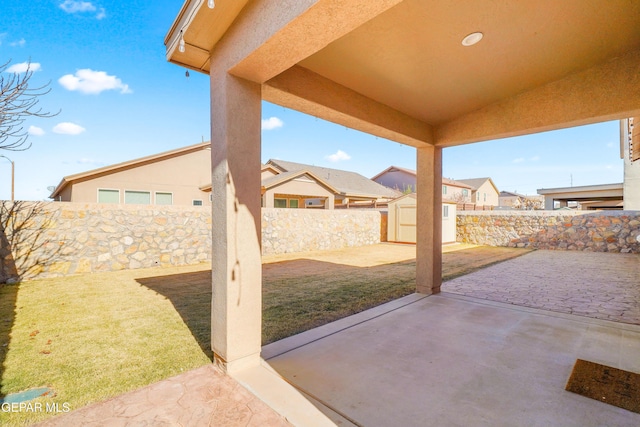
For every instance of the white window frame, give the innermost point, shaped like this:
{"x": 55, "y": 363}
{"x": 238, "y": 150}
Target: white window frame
{"x": 195, "y": 201}
{"x": 108, "y": 189}
{"x": 124, "y": 199}
{"x": 286, "y": 202}
{"x": 155, "y": 197}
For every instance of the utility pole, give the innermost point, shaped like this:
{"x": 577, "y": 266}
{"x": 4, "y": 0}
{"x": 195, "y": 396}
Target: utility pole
{"x": 13, "y": 174}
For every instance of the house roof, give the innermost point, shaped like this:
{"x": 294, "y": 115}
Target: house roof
{"x": 274, "y": 181}
{"x": 348, "y": 183}
{"x": 510, "y": 194}
{"x": 129, "y": 164}
{"x": 394, "y": 169}
{"x": 446, "y": 181}
{"x": 476, "y": 183}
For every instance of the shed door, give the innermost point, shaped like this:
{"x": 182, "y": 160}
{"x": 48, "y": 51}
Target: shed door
{"x": 406, "y": 223}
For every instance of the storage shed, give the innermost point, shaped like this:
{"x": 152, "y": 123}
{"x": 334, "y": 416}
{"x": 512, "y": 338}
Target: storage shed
{"x": 401, "y": 226}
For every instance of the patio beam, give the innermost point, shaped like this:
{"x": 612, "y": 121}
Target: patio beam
{"x": 608, "y": 91}
{"x": 305, "y": 91}
{"x": 261, "y": 52}
{"x": 429, "y": 220}
{"x": 236, "y": 257}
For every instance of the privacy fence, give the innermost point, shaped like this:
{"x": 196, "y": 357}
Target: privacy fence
{"x": 50, "y": 239}
{"x": 601, "y": 231}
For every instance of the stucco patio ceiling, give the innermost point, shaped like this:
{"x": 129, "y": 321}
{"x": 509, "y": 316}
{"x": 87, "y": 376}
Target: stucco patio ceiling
{"x": 541, "y": 65}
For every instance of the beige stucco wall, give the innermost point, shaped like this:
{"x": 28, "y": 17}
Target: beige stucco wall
{"x": 58, "y": 239}
{"x": 181, "y": 175}
{"x": 453, "y": 192}
{"x": 298, "y": 187}
{"x": 492, "y": 197}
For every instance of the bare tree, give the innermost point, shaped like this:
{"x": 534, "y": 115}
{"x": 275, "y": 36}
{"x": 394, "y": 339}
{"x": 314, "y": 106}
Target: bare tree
{"x": 18, "y": 101}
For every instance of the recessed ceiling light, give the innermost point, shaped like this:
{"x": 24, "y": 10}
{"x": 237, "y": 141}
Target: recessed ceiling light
{"x": 472, "y": 39}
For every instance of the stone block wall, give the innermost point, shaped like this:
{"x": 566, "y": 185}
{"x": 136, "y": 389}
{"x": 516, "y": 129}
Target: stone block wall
{"x": 601, "y": 231}
{"x": 52, "y": 239}
{"x": 299, "y": 230}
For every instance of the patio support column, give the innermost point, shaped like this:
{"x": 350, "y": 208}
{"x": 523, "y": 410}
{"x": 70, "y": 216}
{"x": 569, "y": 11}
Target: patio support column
{"x": 429, "y": 220}
{"x": 236, "y": 229}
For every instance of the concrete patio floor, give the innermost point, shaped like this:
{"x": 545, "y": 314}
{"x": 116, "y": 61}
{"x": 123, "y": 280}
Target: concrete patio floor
{"x": 449, "y": 360}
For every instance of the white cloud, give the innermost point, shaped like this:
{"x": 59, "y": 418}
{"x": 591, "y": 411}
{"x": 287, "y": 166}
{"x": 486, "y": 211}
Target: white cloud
{"x": 67, "y": 128}
{"x": 35, "y": 131}
{"x": 23, "y": 67}
{"x": 535, "y": 158}
{"x": 74, "y": 6}
{"x": 19, "y": 43}
{"x": 518, "y": 160}
{"x": 338, "y": 156}
{"x": 92, "y": 82}
{"x": 272, "y": 123}
{"x": 86, "y": 161}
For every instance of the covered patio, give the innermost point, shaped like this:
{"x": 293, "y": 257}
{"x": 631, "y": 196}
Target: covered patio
{"x": 429, "y": 74}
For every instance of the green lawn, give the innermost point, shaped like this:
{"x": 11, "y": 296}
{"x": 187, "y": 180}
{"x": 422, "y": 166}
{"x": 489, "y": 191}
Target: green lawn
{"x": 95, "y": 336}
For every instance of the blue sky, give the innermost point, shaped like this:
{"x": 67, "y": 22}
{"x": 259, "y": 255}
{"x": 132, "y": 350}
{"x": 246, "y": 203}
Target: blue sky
{"x": 120, "y": 99}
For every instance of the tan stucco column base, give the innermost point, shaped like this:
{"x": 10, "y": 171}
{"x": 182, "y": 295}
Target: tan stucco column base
{"x": 429, "y": 220}
{"x": 236, "y": 259}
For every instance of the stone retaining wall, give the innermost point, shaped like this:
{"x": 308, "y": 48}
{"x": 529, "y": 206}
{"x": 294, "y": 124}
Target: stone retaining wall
{"x": 299, "y": 230}
{"x": 602, "y": 231}
{"x": 50, "y": 239}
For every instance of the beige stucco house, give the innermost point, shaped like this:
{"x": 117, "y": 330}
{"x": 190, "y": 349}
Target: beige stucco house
{"x": 170, "y": 178}
{"x": 404, "y": 180}
{"x": 426, "y": 73}
{"x": 351, "y": 188}
{"x": 183, "y": 177}
{"x": 483, "y": 191}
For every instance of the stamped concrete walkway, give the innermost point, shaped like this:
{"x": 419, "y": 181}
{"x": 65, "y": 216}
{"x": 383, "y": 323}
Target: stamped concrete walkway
{"x": 598, "y": 285}
{"x": 201, "y": 397}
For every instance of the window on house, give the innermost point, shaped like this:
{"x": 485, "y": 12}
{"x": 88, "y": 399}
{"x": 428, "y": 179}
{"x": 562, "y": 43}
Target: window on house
{"x": 211, "y": 197}
{"x": 279, "y": 203}
{"x": 445, "y": 211}
{"x": 485, "y": 197}
{"x": 137, "y": 197}
{"x": 444, "y": 189}
{"x": 293, "y": 203}
{"x": 164, "y": 198}
{"x": 108, "y": 196}
{"x": 197, "y": 202}
{"x": 465, "y": 192}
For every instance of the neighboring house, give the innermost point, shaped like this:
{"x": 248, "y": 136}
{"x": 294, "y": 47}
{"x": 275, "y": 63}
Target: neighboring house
{"x": 294, "y": 189}
{"x": 170, "y": 178}
{"x": 402, "y": 220}
{"x": 509, "y": 199}
{"x": 404, "y": 180}
{"x": 183, "y": 177}
{"x": 351, "y": 188}
{"x": 484, "y": 191}
{"x": 401, "y": 179}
